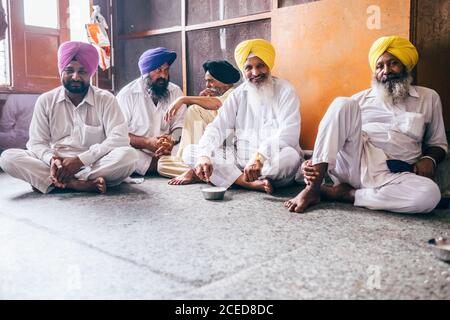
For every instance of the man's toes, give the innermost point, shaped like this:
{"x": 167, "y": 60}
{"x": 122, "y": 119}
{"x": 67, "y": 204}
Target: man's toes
{"x": 288, "y": 203}
{"x": 292, "y": 207}
{"x": 300, "y": 208}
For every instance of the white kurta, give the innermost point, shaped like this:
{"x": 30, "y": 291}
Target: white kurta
{"x": 145, "y": 119}
{"x": 95, "y": 131}
{"x": 271, "y": 129}
{"x": 357, "y": 135}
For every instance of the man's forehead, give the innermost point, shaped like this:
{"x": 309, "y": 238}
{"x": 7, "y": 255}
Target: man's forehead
{"x": 75, "y": 64}
{"x": 164, "y": 66}
{"x": 254, "y": 60}
{"x": 387, "y": 57}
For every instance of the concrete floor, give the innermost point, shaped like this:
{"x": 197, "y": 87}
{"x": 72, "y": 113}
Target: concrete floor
{"x": 156, "y": 241}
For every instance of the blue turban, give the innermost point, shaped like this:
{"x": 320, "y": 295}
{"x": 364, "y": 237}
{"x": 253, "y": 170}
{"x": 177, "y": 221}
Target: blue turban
{"x": 154, "y": 58}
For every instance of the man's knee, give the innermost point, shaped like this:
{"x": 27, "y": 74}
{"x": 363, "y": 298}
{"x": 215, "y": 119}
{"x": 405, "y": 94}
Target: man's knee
{"x": 192, "y": 113}
{"x": 291, "y": 159}
{"x": 286, "y": 163}
{"x": 428, "y": 196}
{"x": 343, "y": 104}
{"x": 126, "y": 156}
{"x": 9, "y": 158}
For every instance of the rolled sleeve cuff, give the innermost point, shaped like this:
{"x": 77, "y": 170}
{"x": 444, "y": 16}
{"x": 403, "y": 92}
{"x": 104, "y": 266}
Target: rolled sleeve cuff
{"x": 47, "y": 157}
{"x": 87, "y": 158}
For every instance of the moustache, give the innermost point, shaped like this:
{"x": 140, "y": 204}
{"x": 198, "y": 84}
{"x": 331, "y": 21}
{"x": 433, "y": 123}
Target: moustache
{"x": 391, "y": 77}
{"x": 160, "y": 81}
{"x": 258, "y": 78}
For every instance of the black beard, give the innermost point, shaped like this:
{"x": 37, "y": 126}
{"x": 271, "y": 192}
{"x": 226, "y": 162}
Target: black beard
{"x": 82, "y": 89}
{"x": 158, "y": 88}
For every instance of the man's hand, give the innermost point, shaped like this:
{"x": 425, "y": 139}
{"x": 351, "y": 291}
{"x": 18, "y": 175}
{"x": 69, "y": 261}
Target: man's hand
{"x": 164, "y": 145}
{"x": 69, "y": 166}
{"x": 55, "y": 165}
{"x": 252, "y": 171}
{"x": 204, "y": 169}
{"x": 173, "y": 109}
{"x": 63, "y": 169}
{"x": 425, "y": 168}
{"x": 151, "y": 143}
{"x": 309, "y": 172}
{"x": 209, "y": 93}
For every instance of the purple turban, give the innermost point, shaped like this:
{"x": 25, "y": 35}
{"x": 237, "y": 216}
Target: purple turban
{"x": 154, "y": 58}
{"x": 84, "y": 53}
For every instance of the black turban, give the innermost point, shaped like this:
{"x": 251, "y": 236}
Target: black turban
{"x": 222, "y": 70}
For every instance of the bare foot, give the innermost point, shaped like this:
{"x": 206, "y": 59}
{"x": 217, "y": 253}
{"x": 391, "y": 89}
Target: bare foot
{"x": 342, "y": 192}
{"x": 306, "y": 198}
{"x": 263, "y": 185}
{"x": 96, "y": 185}
{"x": 185, "y": 178}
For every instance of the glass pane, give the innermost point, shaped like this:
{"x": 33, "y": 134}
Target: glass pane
{"x": 42, "y": 13}
{"x": 129, "y": 51}
{"x": 79, "y": 13}
{"x": 218, "y": 43}
{"x": 143, "y": 15}
{"x": 199, "y": 11}
{"x": 287, "y": 3}
{"x": 4, "y": 52}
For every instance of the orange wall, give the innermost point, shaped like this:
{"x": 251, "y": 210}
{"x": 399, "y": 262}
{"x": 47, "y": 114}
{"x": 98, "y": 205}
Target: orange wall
{"x": 322, "y": 50}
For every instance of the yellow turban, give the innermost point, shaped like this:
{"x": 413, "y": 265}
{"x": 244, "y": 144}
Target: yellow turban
{"x": 399, "y": 47}
{"x": 261, "y": 48}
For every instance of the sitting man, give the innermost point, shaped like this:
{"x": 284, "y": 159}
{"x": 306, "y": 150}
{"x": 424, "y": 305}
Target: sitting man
{"x": 263, "y": 115}
{"x": 219, "y": 77}
{"x": 380, "y": 147}
{"x": 78, "y": 135}
{"x": 144, "y": 102}
{"x": 15, "y": 120}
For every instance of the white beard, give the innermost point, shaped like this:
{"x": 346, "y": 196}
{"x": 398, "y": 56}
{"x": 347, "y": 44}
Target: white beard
{"x": 259, "y": 95}
{"x": 393, "y": 94}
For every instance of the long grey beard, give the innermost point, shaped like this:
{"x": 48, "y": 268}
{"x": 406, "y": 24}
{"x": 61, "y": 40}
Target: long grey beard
{"x": 393, "y": 91}
{"x": 259, "y": 95}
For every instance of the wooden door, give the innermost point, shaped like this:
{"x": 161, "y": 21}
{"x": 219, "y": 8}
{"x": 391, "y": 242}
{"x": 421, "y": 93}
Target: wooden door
{"x": 34, "y": 50}
{"x": 431, "y": 35}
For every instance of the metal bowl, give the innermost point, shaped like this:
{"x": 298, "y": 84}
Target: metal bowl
{"x": 441, "y": 248}
{"x": 214, "y": 193}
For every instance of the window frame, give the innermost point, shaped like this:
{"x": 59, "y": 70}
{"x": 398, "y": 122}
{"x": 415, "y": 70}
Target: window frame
{"x": 183, "y": 28}
{"x": 18, "y": 82}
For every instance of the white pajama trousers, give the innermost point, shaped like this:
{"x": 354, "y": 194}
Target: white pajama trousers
{"x": 280, "y": 169}
{"x": 340, "y": 143}
{"x": 114, "y": 167}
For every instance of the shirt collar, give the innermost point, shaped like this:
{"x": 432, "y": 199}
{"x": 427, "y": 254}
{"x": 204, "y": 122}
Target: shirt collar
{"x": 88, "y": 99}
{"x": 139, "y": 86}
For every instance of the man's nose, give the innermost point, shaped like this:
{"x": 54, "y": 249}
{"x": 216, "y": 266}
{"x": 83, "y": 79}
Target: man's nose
{"x": 255, "y": 72}
{"x": 164, "y": 74}
{"x": 76, "y": 76}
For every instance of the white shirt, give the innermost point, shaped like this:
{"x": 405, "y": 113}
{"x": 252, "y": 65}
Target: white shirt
{"x": 90, "y": 130}
{"x": 265, "y": 129}
{"x": 401, "y": 130}
{"x": 142, "y": 116}
{"x": 15, "y": 120}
